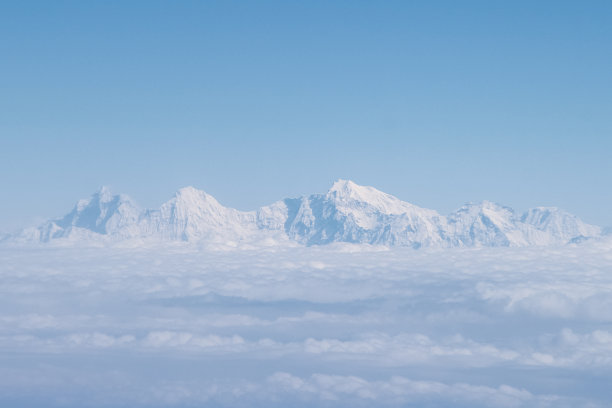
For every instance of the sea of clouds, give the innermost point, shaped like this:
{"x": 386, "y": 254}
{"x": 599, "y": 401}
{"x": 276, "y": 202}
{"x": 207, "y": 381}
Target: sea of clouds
{"x": 342, "y": 325}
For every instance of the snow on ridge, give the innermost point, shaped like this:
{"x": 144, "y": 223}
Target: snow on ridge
{"x": 347, "y": 212}
{"x": 347, "y": 193}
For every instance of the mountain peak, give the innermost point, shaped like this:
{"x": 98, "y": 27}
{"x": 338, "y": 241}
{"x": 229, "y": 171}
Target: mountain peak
{"x": 348, "y": 212}
{"x": 188, "y": 191}
{"x": 347, "y": 189}
{"x": 192, "y": 194}
{"x": 103, "y": 194}
{"x": 348, "y": 194}
{"x": 342, "y": 184}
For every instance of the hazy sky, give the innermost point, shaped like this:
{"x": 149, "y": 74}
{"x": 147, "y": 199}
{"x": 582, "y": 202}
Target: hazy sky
{"x": 438, "y": 103}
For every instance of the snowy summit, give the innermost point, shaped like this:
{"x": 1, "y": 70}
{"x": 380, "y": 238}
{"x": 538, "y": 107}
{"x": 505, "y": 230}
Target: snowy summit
{"x": 348, "y": 212}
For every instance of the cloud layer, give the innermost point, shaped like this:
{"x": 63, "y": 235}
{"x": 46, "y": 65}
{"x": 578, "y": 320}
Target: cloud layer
{"x": 336, "y": 326}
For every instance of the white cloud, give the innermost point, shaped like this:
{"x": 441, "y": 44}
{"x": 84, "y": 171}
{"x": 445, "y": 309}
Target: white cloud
{"x": 185, "y": 339}
{"x": 353, "y": 326}
{"x": 413, "y": 348}
{"x": 401, "y": 390}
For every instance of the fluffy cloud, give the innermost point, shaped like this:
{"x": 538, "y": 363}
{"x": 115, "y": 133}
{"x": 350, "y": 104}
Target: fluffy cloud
{"x": 401, "y": 390}
{"x": 352, "y": 325}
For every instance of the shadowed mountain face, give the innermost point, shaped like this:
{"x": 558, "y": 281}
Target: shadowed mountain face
{"x": 103, "y": 214}
{"x": 346, "y": 213}
{"x": 357, "y": 214}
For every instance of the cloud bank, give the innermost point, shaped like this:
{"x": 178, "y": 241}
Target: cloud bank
{"x": 341, "y": 325}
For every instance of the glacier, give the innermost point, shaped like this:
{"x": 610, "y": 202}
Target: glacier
{"x": 347, "y": 213}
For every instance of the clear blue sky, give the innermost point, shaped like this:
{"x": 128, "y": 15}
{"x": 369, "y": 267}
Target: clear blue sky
{"x": 436, "y": 102}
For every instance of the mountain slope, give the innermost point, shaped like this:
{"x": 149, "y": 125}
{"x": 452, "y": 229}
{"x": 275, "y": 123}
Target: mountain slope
{"x": 558, "y": 226}
{"x": 348, "y": 212}
{"x": 192, "y": 214}
{"x": 101, "y": 214}
{"x": 484, "y": 224}
{"x": 352, "y": 213}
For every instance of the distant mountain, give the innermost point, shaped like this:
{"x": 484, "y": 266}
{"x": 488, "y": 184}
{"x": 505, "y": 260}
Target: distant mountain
{"x": 191, "y": 215}
{"x": 485, "y": 224}
{"x": 346, "y": 213}
{"x": 352, "y": 213}
{"x": 101, "y": 214}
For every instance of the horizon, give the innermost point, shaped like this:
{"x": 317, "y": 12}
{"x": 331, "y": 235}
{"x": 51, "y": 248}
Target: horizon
{"x": 348, "y": 213}
{"x": 110, "y": 190}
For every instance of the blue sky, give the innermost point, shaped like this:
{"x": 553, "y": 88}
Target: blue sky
{"x": 438, "y": 103}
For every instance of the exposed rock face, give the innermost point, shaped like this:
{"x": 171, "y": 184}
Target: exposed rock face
{"x": 346, "y": 213}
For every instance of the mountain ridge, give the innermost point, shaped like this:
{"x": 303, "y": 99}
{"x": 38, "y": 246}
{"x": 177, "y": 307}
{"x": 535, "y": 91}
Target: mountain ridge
{"x": 347, "y": 212}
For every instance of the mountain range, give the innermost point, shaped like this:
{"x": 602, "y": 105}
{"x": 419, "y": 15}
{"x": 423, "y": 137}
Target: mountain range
{"x": 348, "y": 212}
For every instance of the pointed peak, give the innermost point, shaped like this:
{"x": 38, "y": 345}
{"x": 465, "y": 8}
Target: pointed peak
{"x": 347, "y": 193}
{"x": 189, "y": 190}
{"x": 104, "y": 190}
{"x": 343, "y": 184}
{"x": 104, "y": 193}
{"x": 347, "y": 187}
{"x": 189, "y": 193}
{"x": 490, "y": 204}
{"x": 192, "y": 194}
{"x": 349, "y": 190}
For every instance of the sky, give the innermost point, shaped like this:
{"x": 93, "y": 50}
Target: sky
{"x": 436, "y": 102}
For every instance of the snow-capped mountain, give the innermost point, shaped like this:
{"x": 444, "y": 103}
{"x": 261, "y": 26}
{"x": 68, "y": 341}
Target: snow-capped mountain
{"x": 484, "y": 224}
{"x": 558, "y": 225}
{"x": 346, "y": 213}
{"x": 352, "y": 213}
{"x": 101, "y": 214}
{"x": 192, "y": 214}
